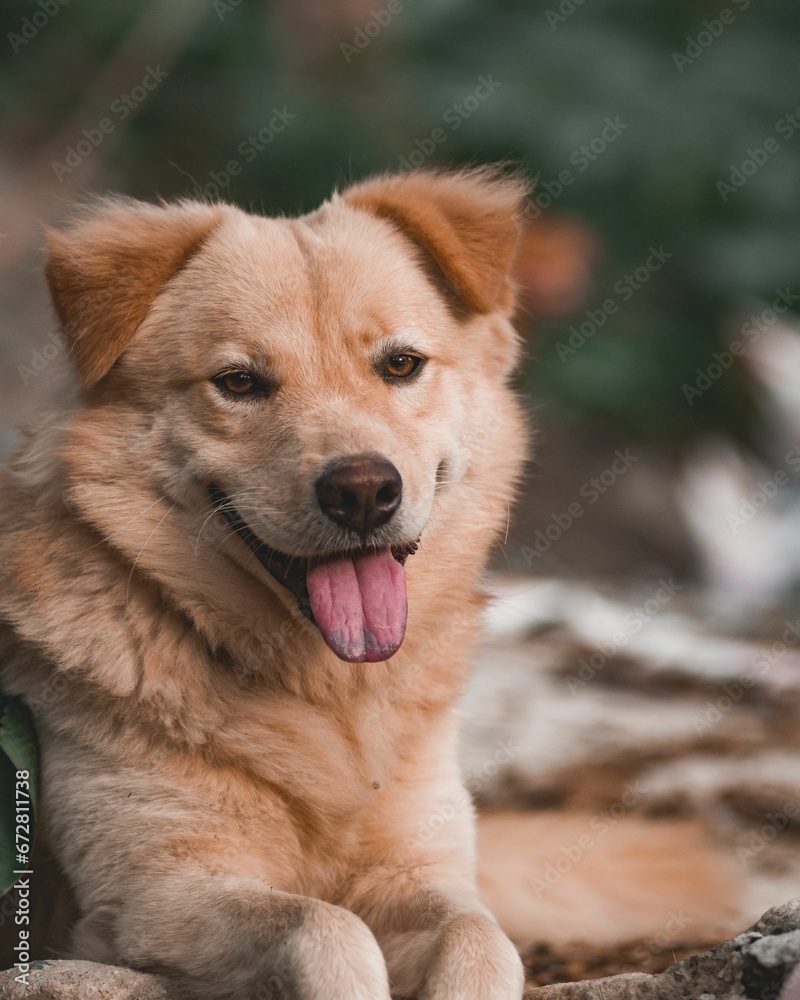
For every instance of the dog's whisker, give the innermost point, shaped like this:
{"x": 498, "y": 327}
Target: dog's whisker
{"x": 246, "y": 491}
{"x": 213, "y": 508}
{"x": 127, "y": 524}
{"x": 146, "y": 543}
{"x": 229, "y": 533}
{"x": 263, "y": 509}
{"x": 209, "y": 517}
{"x": 487, "y": 503}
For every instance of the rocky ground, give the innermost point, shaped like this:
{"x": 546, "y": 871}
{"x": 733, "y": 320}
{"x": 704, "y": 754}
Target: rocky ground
{"x": 645, "y": 706}
{"x": 756, "y": 965}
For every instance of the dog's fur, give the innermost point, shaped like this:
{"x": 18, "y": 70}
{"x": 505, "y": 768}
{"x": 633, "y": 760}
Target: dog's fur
{"x": 235, "y": 806}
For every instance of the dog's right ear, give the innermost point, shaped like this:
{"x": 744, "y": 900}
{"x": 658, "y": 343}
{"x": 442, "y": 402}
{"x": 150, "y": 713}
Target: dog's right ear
{"x": 106, "y": 269}
{"x": 468, "y": 221}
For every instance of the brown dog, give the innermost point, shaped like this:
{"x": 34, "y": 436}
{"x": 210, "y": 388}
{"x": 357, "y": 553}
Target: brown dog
{"x": 273, "y": 415}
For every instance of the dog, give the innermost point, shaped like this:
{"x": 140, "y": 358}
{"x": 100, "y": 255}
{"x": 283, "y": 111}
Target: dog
{"x": 240, "y": 584}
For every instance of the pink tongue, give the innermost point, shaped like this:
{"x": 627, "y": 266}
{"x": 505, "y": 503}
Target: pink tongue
{"x": 359, "y": 605}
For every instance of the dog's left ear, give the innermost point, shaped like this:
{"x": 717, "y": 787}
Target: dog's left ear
{"x": 108, "y": 267}
{"x": 467, "y": 221}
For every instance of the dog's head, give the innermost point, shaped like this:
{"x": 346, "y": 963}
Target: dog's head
{"x": 320, "y": 381}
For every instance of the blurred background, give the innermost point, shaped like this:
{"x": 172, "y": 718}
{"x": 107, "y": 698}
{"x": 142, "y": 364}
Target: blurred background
{"x": 655, "y": 555}
{"x": 644, "y": 124}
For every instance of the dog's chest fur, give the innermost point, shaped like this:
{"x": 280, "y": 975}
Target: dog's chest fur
{"x": 297, "y": 778}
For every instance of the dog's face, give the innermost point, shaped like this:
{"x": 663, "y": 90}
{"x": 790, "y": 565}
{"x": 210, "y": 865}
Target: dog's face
{"x": 315, "y": 380}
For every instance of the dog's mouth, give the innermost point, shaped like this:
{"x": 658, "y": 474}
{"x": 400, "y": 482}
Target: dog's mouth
{"x": 356, "y": 599}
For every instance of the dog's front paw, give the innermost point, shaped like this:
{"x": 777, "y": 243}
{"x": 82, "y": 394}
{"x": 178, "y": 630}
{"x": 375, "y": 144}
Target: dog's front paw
{"x": 473, "y": 960}
{"x": 336, "y": 957}
{"x": 465, "y": 958}
{"x": 242, "y": 941}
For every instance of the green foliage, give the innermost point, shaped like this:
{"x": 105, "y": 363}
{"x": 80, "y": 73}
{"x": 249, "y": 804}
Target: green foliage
{"x": 563, "y": 66}
{"x": 18, "y": 753}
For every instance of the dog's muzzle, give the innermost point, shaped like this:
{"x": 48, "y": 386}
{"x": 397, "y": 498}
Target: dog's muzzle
{"x": 357, "y": 599}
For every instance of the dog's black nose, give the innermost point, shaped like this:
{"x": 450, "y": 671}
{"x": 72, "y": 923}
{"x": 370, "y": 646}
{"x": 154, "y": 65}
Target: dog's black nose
{"x": 360, "y": 493}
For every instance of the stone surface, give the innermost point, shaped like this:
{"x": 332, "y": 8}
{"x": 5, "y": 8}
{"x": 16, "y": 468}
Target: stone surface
{"x": 756, "y": 965}
{"x": 82, "y": 981}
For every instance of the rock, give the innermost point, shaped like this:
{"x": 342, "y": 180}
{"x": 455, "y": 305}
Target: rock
{"x": 753, "y": 966}
{"x": 756, "y": 965}
{"x": 82, "y": 981}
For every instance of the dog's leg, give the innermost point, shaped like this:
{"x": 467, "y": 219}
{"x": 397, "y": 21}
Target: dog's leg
{"x": 222, "y": 937}
{"x": 439, "y": 942}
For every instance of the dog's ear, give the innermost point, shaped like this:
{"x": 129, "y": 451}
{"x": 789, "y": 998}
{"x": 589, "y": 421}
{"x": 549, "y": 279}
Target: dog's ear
{"x": 467, "y": 221}
{"x": 108, "y": 266}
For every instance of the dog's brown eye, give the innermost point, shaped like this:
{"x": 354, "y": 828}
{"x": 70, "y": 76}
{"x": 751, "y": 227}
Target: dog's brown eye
{"x": 401, "y": 365}
{"x": 239, "y": 383}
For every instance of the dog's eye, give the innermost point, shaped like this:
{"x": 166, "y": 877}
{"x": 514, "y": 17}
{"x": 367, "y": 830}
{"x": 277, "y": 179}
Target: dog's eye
{"x": 239, "y": 383}
{"x": 401, "y": 365}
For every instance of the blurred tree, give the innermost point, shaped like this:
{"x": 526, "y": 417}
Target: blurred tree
{"x": 657, "y": 124}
